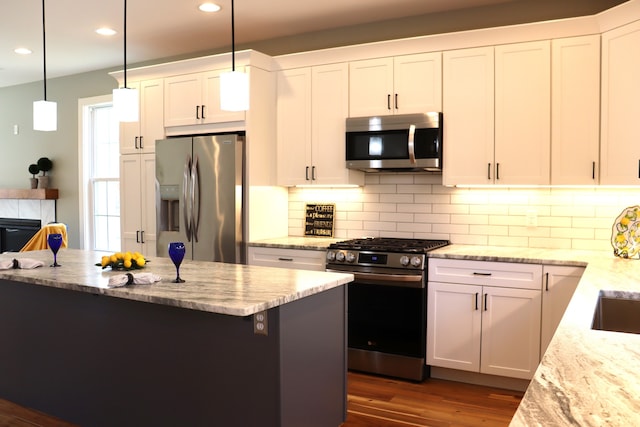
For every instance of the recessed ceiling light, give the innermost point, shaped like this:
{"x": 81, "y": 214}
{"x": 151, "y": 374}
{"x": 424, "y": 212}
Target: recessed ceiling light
{"x": 104, "y": 31}
{"x": 22, "y": 51}
{"x": 209, "y": 7}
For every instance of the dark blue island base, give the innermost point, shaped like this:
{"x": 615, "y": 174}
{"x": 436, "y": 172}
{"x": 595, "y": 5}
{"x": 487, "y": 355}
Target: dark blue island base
{"x": 97, "y": 360}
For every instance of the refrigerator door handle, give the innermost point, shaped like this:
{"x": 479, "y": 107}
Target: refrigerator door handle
{"x": 186, "y": 197}
{"x": 195, "y": 198}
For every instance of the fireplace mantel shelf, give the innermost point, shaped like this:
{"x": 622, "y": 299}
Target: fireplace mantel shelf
{"x": 37, "y": 194}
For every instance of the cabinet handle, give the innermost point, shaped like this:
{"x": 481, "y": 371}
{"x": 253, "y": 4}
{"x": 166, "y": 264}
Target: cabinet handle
{"x": 638, "y": 168}
{"x": 136, "y": 142}
{"x": 396, "y": 101}
{"x": 475, "y": 273}
{"x": 203, "y": 116}
{"x": 489, "y": 171}
{"x": 388, "y": 101}
{"x": 313, "y": 173}
{"x": 197, "y": 112}
{"x": 141, "y": 144}
{"x": 546, "y": 280}
{"x": 497, "y": 170}
{"x": 142, "y": 236}
{"x": 306, "y": 173}
{"x": 137, "y": 236}
{"x": 476, "y": 301}
{"x": 593, "y": 170}
{"x": 485, "y": 302}
{"x": 285, "y": 259}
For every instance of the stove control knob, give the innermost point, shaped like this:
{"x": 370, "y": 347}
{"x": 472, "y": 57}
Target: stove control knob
{"x": 404, "y": 260}
{"x": 351, "y": 257}
{"x": 340, "y": 256}
{"x": 331, "y": 255}
{"x": 416, "y": 261}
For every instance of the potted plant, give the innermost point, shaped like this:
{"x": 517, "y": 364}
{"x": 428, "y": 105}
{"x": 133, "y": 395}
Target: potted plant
{"x": 44, "y": 165}
{"x": 33, "y": 170}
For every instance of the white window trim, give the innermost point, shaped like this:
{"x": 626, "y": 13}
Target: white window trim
{"x": 84, "y": 132}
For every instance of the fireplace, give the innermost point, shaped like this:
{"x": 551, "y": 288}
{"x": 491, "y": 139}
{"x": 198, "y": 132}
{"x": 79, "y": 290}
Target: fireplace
{"x": 15, "y": 233}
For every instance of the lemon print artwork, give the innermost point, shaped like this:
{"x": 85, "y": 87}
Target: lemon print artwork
{"x": 625, "y": 238}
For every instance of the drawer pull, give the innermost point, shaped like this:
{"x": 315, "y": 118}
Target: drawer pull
{"x": 284, "y": 259}
{"x": 475, "y": 273}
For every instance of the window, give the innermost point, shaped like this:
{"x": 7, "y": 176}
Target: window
{"x": 100, "y": 173}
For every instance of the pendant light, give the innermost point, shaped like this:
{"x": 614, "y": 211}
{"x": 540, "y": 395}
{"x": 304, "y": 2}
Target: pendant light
{"x": 45, "y": 113}
{"x": 125, "y": 100}
{"x": 234, "y": 85}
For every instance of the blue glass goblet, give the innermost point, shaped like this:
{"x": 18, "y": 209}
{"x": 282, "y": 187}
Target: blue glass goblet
{"x": 54, "y": 241}
{"x": 176, "y": 253}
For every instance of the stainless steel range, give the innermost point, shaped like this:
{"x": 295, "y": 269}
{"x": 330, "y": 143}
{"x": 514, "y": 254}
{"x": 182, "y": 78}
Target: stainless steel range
{"x": 387, "y": 303}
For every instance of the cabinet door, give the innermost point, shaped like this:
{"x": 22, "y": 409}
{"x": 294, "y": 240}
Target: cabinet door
{"x": 151, "y": 114}
{"x": 329, "y": 109}
{"x": 559, "y": 284}
{"x": 523, "y": 113}
{"x": 371, "y": 87}
{"x": 294, "y": 127}
{"x": 147, "y": 198}
{"x": 453, "y": 326}
{"x": 130, "y": 131}
{"x": 468, "y": 98}
{"x": 620, "y": 140}
{"x": 510, "y": 332}
{"x": 575, "y": 108}
{"x": 130, "y": 203}
{"x": 211, "y": 100}
{"x": 417, "y": 83}
{"x": 182, "y": 100}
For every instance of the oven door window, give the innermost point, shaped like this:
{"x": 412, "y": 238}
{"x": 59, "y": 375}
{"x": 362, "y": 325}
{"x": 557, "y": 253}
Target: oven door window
{"x": 388, "y": 319}
{"x": 392, "y": 144}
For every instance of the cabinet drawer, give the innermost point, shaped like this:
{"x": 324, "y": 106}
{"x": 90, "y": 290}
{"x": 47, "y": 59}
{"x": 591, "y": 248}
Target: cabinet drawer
{"x": 504, "y": 274}
{"x": 300, "y": 259}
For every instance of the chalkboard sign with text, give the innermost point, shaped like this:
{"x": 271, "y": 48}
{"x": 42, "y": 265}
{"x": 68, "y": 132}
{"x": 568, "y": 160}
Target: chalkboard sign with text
{"x": 319, "y": 219}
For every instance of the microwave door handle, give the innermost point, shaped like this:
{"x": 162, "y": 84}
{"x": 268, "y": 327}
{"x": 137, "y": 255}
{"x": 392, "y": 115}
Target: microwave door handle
{"x": 411, "y": 144}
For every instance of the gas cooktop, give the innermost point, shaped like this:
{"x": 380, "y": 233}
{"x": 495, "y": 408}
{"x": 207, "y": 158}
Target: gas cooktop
{"x": 390, "y": 244}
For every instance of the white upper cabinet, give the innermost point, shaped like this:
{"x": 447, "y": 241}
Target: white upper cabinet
{"x": 467, "y": 105}
{"x": 141, "y": 136}
{"x": 620, "y": 137}
{"x": 192, "y": 99}
{"x": 312, "y": 105}
{"x": 575, "y": 109}
{"x": 523, "y": 113}
{"x": 399, "y": 85}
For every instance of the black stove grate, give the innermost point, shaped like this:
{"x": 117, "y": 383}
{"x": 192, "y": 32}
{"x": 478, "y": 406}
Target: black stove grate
{"x": 390, "y": 244}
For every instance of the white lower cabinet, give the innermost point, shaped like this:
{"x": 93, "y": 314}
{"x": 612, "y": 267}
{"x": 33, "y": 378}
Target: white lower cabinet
{"x": 137, "y": 203}
{"x": 484, "y": 317}
{"x": 558, "y": 286}
{"x": 300, "y": 259}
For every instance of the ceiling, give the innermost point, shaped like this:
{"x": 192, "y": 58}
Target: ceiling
{"x": 176, "y": 28}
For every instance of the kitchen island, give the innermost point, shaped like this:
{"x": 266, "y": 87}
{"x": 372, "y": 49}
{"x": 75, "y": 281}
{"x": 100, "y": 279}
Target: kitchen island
{"x": 234, "y": 345}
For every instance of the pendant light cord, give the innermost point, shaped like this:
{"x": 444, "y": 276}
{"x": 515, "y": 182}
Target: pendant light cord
{"x": 44, "y": 52}
{"x": 125, "y": 44}
{"x": 233, "y": 39}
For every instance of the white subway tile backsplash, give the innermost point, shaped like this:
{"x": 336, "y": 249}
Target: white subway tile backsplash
{"x": 417, "y": 205}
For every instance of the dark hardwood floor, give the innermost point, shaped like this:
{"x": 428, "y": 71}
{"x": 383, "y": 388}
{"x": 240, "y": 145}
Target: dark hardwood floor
{"x": 374, "y": 402}
{"x": 383, "y": 402}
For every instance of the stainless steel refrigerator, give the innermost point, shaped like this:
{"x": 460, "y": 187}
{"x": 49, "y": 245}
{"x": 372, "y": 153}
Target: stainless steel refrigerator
{"x": 200, "y": 196}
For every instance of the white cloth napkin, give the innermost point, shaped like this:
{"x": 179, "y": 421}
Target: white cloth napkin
{"x": 133, "y": 279}
{"x": 26, "y": 263}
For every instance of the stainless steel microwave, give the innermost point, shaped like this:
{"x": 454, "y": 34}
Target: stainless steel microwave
{"x": 406, "y": 142}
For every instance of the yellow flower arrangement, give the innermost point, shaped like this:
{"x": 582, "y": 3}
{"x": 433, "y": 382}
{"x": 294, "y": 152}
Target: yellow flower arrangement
{"x": 123, "y": 261}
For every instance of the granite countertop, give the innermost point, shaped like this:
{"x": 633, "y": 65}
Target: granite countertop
{"x": 587, "y": 377}
{"x": 232, "y": 289}
{"x": 296, "y": 242}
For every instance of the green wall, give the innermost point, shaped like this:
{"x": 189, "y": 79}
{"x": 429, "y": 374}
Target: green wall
{"x": 19, "y": 151}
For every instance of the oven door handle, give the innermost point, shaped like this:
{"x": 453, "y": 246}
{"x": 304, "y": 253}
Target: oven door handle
{"x": 400, "y": 280}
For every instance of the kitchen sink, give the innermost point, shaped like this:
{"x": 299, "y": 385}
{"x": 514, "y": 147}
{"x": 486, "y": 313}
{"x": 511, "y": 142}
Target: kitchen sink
{"x": 618, "y": 312}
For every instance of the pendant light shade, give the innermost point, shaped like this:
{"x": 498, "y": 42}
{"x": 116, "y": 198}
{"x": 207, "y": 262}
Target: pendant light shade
{"x": 234, "y": 85}
{"x": 45, "y": 113}
{"x": 125, "y": 100}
